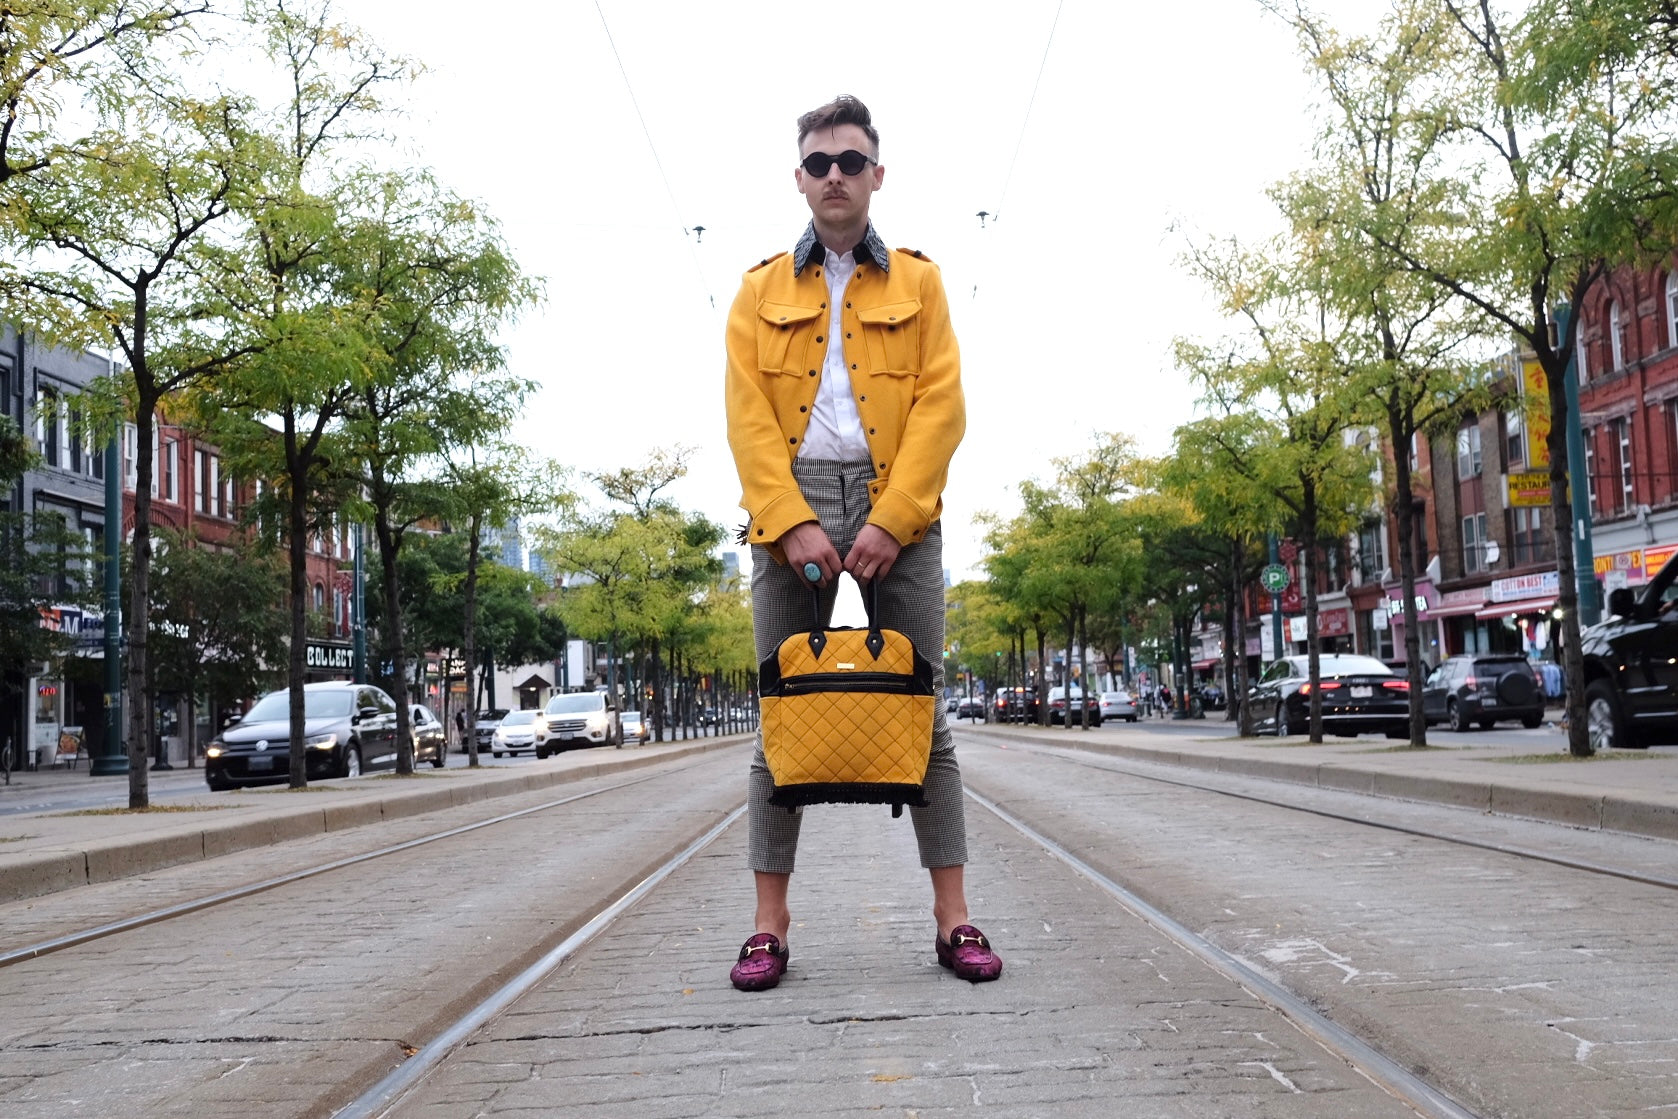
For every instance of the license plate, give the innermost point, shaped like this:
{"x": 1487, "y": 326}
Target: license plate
{"x": 1362, "y": 693}
{"x": 566, "y": 737}
{"x": 260, "y": 765}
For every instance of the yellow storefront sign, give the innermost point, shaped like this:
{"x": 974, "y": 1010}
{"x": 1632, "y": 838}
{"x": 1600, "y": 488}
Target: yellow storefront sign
{"x": 1529, "y": 489}
{"x": 1535, "y": 411}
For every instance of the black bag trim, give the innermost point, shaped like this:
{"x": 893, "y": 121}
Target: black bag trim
{"x": 797, "y": 796}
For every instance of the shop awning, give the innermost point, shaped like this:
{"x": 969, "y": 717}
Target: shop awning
{"x": 1524, "y": 606}
{"x": 1456, "y": 609}
{"x": 1201, "y": 666}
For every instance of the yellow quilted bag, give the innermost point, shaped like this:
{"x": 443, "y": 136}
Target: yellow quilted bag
{"x": 847, "y": 717}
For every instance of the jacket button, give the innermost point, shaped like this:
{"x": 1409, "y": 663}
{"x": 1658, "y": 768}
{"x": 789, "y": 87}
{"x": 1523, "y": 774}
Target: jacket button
{"x": 824, "y": 306}
{"x": 812, "y": 372}
{"x": 892, "y": 318}
{"x": 818, "y": 337}
{"x": 871, "y": 431}
{"x": 783, "y": 318}
{"x": 847, "y": 304}
{"x": 847, "y": 334}
{"x": 853, "y": 365}
{"x": 802, "y": 408}
{"x": 794, "y": 439}
{"x": 863, "y": 398}
{"x": 760, "y": 532}
{"x": 882, "y": 466}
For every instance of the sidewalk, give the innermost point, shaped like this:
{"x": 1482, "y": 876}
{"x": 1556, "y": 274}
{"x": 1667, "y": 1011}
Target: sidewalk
{"x": 1633, "y": 791}
{"x": 58, "y": 849}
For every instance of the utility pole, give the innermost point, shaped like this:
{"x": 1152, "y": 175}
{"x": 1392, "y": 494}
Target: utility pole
{"x": 1579, "y": 487}
{"x": 113, "y": 762}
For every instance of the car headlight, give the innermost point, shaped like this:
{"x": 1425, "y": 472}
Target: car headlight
{"x": 321, "y": 741}
{"x": 214, "y": 751}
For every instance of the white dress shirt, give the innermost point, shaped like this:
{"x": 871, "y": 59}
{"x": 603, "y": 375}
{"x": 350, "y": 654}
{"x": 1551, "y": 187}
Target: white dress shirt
{"x": 835, "y": 430}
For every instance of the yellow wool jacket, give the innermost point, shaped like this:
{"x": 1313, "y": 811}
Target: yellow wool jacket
{"x": 905, "y": 377}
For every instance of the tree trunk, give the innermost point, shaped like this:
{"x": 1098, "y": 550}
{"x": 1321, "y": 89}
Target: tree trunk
{"x": 1402, "y": 431}
{"x": 296, "y": 550}
{"x": 1238, "y": 687}
{"x": 395, "y": 643}
{"x": 1042, "y": 688}
{"x": 139, "y": 591}
{"x": 1308, "y": 576}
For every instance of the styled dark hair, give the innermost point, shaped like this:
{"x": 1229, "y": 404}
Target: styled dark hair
{"x": 843, "y": 109}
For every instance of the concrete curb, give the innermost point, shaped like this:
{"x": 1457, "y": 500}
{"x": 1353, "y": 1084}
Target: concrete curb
{"x": 1512, "y": 793}
{"x": 139, "y": 844}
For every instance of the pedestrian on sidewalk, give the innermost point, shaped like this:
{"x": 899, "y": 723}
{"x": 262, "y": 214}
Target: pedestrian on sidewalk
{"x": 844, "y": 407}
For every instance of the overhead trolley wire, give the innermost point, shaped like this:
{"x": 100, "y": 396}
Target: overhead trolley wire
{"x": 629, "y": 87}
{"x": 1019, "y": 143}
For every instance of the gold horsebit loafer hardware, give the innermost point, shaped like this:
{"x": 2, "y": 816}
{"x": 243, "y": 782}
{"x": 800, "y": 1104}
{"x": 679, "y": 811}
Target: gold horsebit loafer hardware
{"x": 745, "y": 952}
{"x": 962, "y": 938}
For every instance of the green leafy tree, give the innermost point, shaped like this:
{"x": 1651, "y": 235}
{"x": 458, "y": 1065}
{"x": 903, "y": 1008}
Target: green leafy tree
{"x": 216, "y": 628}
{"x": 1527, "y": 170}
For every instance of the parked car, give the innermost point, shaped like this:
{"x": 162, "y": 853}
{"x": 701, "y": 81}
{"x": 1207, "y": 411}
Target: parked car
{"x": 431, "y": 741}
{"x": 970, "y": 707}
{"x": 1359, "y": 694}
{"x": 489, "y": 720}
{"x": 581, "y": 719}
{"x": 1631, "y": 666}
{"x": 635, "y": 727}
{"x": 1015, "y": 705}
{"x": 519, "y": 731}
{"x": 347, "y": 729}
{"x": 1059, "y": 710}
{"x": 1118, "y": 705}
{"x": 1483, "y": 688}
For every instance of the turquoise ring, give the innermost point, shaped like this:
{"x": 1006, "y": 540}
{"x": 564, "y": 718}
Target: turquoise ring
{"x": 813, "y": 572}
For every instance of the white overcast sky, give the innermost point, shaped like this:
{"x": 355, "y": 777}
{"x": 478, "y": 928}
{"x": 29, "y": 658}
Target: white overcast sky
{"x": 1150, "y": 120}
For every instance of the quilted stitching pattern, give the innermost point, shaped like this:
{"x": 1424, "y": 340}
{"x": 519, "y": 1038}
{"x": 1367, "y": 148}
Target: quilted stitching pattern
{"x": 847, "y": 737}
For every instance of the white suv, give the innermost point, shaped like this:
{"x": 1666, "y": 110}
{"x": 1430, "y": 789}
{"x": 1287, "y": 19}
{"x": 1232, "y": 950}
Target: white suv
{"x": 580, "y": 719}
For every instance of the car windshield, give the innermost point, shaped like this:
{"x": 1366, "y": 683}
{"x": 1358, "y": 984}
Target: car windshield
{"x": 519, "y": 718}
{"x": 1345, "y": 665}
{"x": 576, "y": 703}
{"x": 276, "y": 706}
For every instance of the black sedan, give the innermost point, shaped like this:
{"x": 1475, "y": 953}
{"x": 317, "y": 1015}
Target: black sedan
{"x": 347, "y": 728}
{"x": 1359, "y": 694}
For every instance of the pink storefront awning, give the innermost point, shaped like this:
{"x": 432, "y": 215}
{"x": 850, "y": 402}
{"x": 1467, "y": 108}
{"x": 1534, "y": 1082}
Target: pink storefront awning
{"x": 1524, "y": 606}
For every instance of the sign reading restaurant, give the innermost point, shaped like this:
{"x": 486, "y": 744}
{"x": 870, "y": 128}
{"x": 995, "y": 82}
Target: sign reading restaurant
{"x": 329, "y": 656}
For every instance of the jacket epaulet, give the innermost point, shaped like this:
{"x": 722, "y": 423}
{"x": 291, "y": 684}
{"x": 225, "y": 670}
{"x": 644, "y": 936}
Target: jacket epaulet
{"x": 917, "y": 254}
{"x": 766, "y": 261}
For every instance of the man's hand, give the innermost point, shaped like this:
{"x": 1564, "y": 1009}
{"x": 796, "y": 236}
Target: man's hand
{"x": 807, "y": 543}
{"x": 873, "y": 553}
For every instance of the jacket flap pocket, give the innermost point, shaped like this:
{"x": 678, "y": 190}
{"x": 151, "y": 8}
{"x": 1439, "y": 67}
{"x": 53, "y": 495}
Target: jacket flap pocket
{"x": 892, "y": 314}
{"x": 785, "y": 314}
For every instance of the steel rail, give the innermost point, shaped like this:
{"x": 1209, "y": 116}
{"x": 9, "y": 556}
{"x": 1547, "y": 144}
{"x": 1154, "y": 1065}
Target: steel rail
{"x": 181, "y": 909}
{"x": 1378, "y": 1068}
{"x": 1109, "y": 765}
{"x": 381, "y": 1097}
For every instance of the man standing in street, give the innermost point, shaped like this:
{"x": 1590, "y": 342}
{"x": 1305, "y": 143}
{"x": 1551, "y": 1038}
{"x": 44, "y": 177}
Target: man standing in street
{"x": 844, "y": 408}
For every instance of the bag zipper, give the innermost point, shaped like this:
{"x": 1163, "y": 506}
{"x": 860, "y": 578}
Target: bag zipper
{"x": 889, "y": 682}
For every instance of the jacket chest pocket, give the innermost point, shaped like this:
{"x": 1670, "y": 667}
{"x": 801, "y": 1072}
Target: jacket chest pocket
{"x": 778, "y": 326}
{"x": 893, "y": 335}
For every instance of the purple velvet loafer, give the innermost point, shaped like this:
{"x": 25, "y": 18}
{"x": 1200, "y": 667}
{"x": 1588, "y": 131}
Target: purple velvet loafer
{"x": 968, "y": 954}
{"x": 763, "y": 960}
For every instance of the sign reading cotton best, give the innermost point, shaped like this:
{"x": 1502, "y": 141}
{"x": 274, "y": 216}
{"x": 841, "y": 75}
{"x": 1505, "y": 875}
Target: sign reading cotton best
{"x": 331, "y": 658}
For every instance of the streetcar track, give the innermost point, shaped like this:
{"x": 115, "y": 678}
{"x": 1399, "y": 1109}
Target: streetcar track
{"x": 1108, "y": 765}
{"x": 1343, "y": 1043}
{"x": 379, "y": 1099}
{"x": 209, "y": 901}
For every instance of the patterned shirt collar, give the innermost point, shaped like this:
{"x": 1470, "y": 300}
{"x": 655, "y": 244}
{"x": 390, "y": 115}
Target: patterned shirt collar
{"x": 810, "y": 246}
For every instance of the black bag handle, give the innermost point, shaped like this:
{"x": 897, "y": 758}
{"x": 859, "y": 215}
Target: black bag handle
{"x": 875, "y": 641}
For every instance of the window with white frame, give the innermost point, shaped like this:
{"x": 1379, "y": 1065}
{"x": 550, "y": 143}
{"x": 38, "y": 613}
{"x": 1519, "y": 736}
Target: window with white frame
{"x": 166, "y": 478}
{"x": 1616, "y": 336}
{"x": 1468, "y": 452}
{"x": 1581, "y": 353}
{"x": 1624, "y": 487}
{"x": 1473, "y": 543}
{"x": 1514, "y": 439}
{"x": 201, "y": 485}
{"x": 1526, "y": 536}
{"x": 130, "y": 457}
{"x": 1672, "y": 308}
{"x": 49, "y": 426}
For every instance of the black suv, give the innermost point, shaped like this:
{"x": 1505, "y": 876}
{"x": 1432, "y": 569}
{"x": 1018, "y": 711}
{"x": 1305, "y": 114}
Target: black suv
{"x": 1631, "y": 666}
{"x": 1483, "y": 688}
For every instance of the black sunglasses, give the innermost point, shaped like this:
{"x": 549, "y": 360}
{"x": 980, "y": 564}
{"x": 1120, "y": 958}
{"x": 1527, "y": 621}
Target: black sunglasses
{"x": 851, "y": 162}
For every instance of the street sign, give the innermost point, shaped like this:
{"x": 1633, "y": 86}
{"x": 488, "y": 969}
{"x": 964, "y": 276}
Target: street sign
{"x": 1274, "y": 578}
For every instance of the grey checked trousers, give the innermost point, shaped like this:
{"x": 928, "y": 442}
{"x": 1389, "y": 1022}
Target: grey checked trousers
{"x": 912, "y": 602}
